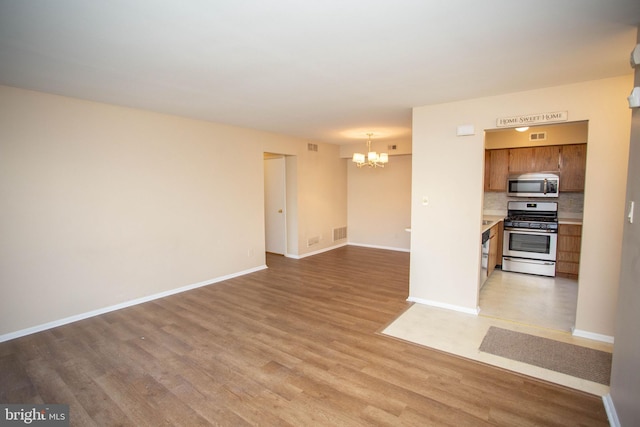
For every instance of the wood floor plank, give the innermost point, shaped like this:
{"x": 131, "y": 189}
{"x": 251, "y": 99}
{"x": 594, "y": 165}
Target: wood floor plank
{"x": 296, "y": 344}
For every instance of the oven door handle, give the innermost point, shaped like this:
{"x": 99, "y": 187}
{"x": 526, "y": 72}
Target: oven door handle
{"x": 545, "y": 186}
{"x": 525, "y": 261}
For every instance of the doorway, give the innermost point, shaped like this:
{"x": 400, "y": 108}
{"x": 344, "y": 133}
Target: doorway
{"x": 275, "y": 217}
{"x": 549, "y": 302}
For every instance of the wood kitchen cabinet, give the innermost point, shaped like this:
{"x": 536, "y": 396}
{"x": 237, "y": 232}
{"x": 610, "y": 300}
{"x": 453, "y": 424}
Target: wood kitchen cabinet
{"x": 547, "y": 159}
{"x": 568, "y": 252}
{"x": 521, "y": 160}
{"x": 569, "y": 161}
{"x": 495, "y": 247}
{"x": 493, "y": 250}
{"x": 496, "y": 170}
{"x": 534, "y": 159}
{"x": 573, "y": 167}
{"x": 500, "y": 242}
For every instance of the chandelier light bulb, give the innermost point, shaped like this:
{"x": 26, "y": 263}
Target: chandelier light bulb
{"x": 372, "y": 159}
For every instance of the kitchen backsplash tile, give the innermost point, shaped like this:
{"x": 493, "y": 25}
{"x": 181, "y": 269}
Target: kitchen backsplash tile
{"x": 570, "y": 205}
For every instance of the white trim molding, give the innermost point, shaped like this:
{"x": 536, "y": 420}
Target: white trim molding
{"x": 388, "y": 248}
{"x": 82, "y": 316}
{"x": 444, "y": 305}
{"x": 294, "y": 256}
{"x": 592, "y": 336}
{"x": 612, "y": 415}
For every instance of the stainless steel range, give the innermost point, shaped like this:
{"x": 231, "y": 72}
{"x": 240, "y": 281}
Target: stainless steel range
{"x": 530, "y": 238}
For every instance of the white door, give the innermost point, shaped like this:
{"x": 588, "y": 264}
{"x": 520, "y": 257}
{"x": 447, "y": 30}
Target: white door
{"x": 274, "y": 204}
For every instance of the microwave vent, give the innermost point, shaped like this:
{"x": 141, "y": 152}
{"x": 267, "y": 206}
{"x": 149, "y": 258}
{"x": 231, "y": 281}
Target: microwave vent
{"x": 538, "y": 136}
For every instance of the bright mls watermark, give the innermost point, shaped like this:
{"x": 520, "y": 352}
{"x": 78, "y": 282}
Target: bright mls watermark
{"x": 34, "y": 415}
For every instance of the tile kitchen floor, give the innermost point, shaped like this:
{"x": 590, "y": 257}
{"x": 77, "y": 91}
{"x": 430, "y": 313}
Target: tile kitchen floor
{"x": 527, "y": 310}
{"x": 548, "y": 302}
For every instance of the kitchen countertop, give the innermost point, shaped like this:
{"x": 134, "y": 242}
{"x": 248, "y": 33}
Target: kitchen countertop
{"x": 494, "y": 220}
{"x": 570, "y": 221}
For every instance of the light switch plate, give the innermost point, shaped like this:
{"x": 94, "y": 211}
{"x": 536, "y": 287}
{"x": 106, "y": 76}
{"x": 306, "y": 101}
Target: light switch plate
{"x": 635, "y": 56}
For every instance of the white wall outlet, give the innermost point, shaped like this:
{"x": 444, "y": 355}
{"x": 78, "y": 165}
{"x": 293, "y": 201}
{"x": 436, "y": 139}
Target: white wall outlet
{"x": 425, "y": 200}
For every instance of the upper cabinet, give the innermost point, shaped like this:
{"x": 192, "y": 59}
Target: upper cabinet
{"x": 496, "y": 170}
{"x": 536, "y": 159}
{"x": 573, "y": 167}
{"x": 569, "y": 161}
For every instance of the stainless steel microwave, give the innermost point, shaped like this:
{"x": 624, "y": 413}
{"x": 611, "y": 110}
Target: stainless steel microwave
{"x": 533, "y": 185}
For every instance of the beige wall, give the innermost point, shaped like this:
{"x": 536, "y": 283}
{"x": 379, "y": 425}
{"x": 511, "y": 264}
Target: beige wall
{"x": 102, "y": 205}
{"x": 402, "y": 147}
{"x": 448, "y": 170}
{"x": 625, "y": 367}
{"x": 322, "y": 195}
{"x": 316, "y": 193}
{"x": 379, "y": 204}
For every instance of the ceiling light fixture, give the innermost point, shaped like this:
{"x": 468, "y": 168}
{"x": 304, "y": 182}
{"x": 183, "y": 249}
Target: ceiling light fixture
{"x": 372, "y": 159}
{"x": 523, "y": 129}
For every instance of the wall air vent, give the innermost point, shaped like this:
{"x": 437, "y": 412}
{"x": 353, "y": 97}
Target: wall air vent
{"x": 339, "y": 233}
{"x": 312, "y": 147}
{"x": 538, "y": 136}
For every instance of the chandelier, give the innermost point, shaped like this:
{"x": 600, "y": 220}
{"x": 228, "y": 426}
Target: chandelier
{"x": 372, "y": 159}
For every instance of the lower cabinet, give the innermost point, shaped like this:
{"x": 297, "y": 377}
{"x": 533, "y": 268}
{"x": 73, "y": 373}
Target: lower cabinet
{"x": 493, "y": 250}
{"x": 495, "y": 247}
{"x": 568, "y": 254}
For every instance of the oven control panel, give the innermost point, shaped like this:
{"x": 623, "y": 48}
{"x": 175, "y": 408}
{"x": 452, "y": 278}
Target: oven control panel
{"x": 549, "y": 227}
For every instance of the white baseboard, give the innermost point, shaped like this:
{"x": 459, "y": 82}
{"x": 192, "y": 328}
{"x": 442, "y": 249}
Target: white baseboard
{"x": 388, "y": 248}
{"x": 77, "y": 317}
{"x": 593, "y": 336}
{"x": 612, "y": 415}
{"x": 438, "y": 304}
{"x": 294, "y": 256}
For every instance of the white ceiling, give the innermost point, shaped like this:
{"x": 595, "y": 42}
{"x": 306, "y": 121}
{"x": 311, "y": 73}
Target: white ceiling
{"x": 326, "y": 70}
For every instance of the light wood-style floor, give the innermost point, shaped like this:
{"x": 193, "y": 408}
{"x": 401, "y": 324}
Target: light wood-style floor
{"x": 294, "y": 345}
{"x": 548, "y": 302}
